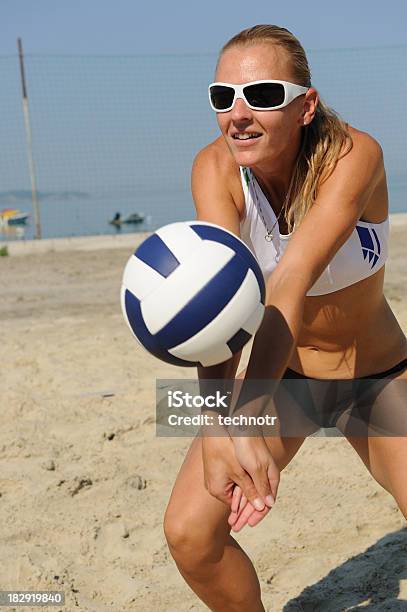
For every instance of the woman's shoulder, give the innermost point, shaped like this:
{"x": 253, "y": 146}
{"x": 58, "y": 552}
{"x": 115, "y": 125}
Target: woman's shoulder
{"x": 364, "y": 141}
{"x": 215, "y": 163}
{"x": 369, "y": 153}
{"x": 360, "y": 153}
{"x": 359, "y": 175}
{"x": 216, "y": 154}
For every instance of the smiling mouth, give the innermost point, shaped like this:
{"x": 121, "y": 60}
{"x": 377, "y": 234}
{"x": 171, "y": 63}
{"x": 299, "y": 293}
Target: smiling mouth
{"x": 246, "y": 136}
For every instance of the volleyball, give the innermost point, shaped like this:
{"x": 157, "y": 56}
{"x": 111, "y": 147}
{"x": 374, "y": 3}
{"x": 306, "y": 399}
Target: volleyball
{"x": 193, "y": 294}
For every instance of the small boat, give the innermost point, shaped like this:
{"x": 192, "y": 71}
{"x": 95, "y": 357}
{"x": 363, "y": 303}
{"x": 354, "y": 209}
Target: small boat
{"x": 13, "y": 216}
{"x": 133, "y": 218}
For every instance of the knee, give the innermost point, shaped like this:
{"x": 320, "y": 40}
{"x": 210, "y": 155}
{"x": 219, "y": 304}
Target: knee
{"x": 191, "y": 543}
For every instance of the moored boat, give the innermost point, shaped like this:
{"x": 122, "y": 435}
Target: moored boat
{"x": 133, "y": 218}
{"x": 13, "y": 216}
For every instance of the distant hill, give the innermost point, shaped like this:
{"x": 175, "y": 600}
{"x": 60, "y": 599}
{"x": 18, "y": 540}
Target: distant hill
{"x": 24, "y": 195}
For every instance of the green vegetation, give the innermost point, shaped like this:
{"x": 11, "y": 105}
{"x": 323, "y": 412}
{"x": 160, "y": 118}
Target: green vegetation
{"x": 3, "y": 251}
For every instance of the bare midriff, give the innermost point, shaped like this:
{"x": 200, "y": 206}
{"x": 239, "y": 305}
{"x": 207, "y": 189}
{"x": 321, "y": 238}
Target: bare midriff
{"x": 349, "y": 333}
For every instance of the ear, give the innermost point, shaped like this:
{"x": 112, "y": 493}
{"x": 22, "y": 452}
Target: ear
{"x": 310, "y": 106}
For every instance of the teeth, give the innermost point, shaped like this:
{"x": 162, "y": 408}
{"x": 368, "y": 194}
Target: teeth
{"x": 245, "y": 136}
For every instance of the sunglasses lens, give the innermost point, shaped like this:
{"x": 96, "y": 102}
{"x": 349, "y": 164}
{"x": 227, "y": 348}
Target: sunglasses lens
{"x": 265, "y": 95}
{"x": 221, "y": 96}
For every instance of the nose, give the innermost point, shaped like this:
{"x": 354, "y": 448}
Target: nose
{"x": 240, "y": 111}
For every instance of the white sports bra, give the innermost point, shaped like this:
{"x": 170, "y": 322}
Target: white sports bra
{"x": 364, "y": 252}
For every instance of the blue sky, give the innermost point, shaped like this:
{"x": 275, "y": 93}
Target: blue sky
{"x": 96, "y": 130}
{"x": 182, "y": 26}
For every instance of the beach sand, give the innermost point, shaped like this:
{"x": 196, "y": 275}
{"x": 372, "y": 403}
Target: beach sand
{"x": 84, "y": 481}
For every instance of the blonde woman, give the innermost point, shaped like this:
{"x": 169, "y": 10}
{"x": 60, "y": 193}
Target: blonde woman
{"x": 308, "y": 194}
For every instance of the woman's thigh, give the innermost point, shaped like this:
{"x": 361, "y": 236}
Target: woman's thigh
{"x": 386, "y": 460}
{"x": 191, "y": 505}
{"x": 385, "y": 456}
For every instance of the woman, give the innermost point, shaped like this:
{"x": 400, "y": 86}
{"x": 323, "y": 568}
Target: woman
{"x": 308, "y": 194}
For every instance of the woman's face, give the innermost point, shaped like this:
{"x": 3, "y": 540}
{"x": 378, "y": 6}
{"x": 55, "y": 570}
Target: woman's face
{"x": 279, "y": 130}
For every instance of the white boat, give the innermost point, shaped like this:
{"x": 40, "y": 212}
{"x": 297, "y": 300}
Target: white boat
{"x": 13, "y": 216}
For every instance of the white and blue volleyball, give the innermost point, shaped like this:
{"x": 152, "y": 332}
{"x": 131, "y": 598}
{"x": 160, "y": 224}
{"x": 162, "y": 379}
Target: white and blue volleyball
{"x": 193, "y": 294}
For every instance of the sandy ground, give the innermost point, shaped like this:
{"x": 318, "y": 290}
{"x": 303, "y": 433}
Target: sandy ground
{"x": 84, "y": 481}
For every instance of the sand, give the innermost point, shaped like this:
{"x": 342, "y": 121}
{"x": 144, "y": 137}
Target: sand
{"x": 84, "y": 481}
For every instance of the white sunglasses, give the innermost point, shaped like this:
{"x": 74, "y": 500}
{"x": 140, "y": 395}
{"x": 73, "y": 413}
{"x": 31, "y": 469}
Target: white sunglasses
{"x": 258, "y": 95}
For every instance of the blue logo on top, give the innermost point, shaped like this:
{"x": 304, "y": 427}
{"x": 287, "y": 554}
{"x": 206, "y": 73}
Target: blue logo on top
{"x": 370, "y": 244}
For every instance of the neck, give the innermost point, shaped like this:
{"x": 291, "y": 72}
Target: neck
{"x": 274, "y": 187}
{"x": 274, "y": 177}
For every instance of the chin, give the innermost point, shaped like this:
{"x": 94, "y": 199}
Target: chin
{"x": 248, "y": 158}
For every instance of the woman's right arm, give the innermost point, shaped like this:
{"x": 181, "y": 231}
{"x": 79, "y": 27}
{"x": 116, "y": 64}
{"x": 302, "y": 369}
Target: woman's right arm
{"x": 212, "y": 174}
{"x": 214, "y": 203}
{"x": 211, "y": 180}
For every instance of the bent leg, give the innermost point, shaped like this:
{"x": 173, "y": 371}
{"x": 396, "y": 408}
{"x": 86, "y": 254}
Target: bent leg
{"x": 385, "y": 456}
{"x": 198, "y": 535}
{"x": 386, "y": 460}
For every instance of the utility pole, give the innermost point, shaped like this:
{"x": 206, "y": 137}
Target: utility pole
{"x": 28, "y": 134}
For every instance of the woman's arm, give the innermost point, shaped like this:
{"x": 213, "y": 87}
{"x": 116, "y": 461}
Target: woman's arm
{"x": 214, "y": 203}
{"x": 211, "y": 189}
{"x": 273, "y": 345}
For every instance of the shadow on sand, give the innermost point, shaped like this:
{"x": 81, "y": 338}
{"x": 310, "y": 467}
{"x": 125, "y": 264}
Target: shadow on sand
{"x": 369, "y": 581}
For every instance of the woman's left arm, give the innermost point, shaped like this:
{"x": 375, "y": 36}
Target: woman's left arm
{"x": 341, "y": 201}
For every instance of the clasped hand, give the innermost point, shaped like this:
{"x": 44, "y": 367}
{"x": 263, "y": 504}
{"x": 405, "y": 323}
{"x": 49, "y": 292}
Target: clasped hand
{"x": 240, "y": 471}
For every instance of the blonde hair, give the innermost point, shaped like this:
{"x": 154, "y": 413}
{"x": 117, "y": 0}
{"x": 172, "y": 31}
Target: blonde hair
{"x": 322, "y": 140}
